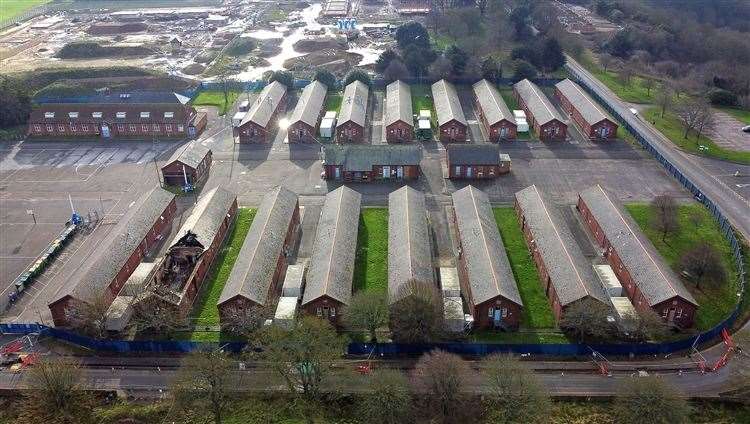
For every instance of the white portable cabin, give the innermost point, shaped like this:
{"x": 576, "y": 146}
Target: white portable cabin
{"x": 294, "y": 280}
{"x": 608, "y": 280}
{"x": 453, "y": 314}
{"x": 625, "y": 313}
{"x": 244, "y": 106}
{"x": 521, "y": 124}
{"x": 285, "y": 312}
{"x": 449, "y": 283}
{"x": 237, "y": 118}
{"x": 119, "y": 313}
{"x": 328, "y": 124}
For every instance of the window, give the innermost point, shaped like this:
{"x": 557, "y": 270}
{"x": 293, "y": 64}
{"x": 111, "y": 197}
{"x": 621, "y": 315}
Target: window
{"x": 490, "y": 311}
{"x": 333, "y": 311}
{"x": 156, "y": 127}
{"x": 144, "y": 127}
{"x": 50, "y": 128}
{"x": 319, "y": 311}
{"x": 84, "y": 127}
{"x": 131, "y": 128}
{"x": 168, "y": 127}
{"x": 37, "y": 128}
{"x": 73, "y": 127}
{"x": 120, "y": 128}
{"x": 61, "y": 128}
{"x": 145, "y": 114}
{"x": 505, "y": 312}
{"x": 458, "y": 170}
{"x": 180, "y": 128}
{"x": 679, "y": 313}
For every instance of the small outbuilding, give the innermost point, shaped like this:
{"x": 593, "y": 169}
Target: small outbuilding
{"x": 188, "y": 165}
{"x": 595, "y": 123}
{"x": 476, "y": 161}
{"x": 497, "y": 119}
{"x": 304, "y": 120}
{"x": 350, "y": 127}
{"x": 258, "y": 125}
{"x": 398, "y": 119}
{"x": 366, "y": 163}
{"x": 452, "y": 123}
{"x": 541, "y": 114}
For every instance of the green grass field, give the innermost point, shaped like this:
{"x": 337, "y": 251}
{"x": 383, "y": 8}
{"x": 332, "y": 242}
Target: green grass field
{"x": 204, "y": 311}
{"x": 715, "y": 303}
{"x": 633, "y": 91}
{"x": 741, "y": 114}
{"x": 537, "y": 312}
{"x": 216, "y": 99}
{"x": 671, "y": 127}
{"x": 333, "y": 102}
{"x": 12, "y": 8}
{"x": 371, "y": 264}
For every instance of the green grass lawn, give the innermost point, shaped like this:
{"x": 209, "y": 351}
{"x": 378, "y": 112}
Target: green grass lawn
{"x": 520, "y": 337}
{"x": 421, "y": 99}
{"x": 12, "y": 8}
{"x": 536, "y": 310}
{"x": 671, "y": 127}
{"x": 333, "y": 102}
{"x": 632, "y": 91}
{"x": 371, "y": 264}
{"x": 216, "y": 98}
{"x": 715, "y": 303}
{"x": 205, "y": 312}
{"x": 741, "y": 114}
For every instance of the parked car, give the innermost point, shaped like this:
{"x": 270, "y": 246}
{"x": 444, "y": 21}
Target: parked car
{"x": 746, "y": 129}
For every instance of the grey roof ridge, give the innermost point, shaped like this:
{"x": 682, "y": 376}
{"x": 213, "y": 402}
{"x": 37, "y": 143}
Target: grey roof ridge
{"x": 333, "y": 245}
{"x": 484, "y": 240}
{"x": 544, "y": 102}
{"x": 588, "y": 99}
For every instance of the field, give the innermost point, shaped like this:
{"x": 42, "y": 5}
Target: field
{"x": 205, "y": 313}
{"x": 537, "y": 312}
{"x": 715, "y": 303}
{"x": 216, "y": 98}
{"x": 371, "y": 264}
{"x": 333, "y": 102}
{"x": 633, "y": 91}
{"x": 671, "y": 127}
{"x": 12, "y": 8}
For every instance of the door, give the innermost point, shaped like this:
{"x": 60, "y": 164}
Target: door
{"x": 105, "y": 131}
{"x": 503, "y": 132}
{"x": 386, "y": 172}
{"x": 603, "y": 131}
{"x": 400, "y": 172}
{"x": 337, "y": 173}
{"x": 670, "y": 315}
{"x": 468, "y": 172}
{"x": 497, "y": 317}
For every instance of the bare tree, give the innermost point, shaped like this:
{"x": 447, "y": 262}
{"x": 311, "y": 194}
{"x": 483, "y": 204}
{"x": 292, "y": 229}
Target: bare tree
{"x": 516, "y": 394}
{"x": 367, "y": 311}
{"x": 418, "y": 316}
{"x": 664, "y": 98}
{"x": 704, "y": 263}
{"x": 587, "y": 319}
{"x": 244, "y": 321}
{"x": 204, "y": 383}
{"x": 706, "y": 122}
{"x": 151, "y": 314}
{"x": 692, "y": 112}
{"x": 648, "y": 83}
{"x": 606, "y": 60}
{"x": 90, "y": 317}
{"x": 442, "y": 376}
{"x": 664, "y": 215}
{"x": 56, "y": 394}
{"x": 626, "y": 72}
{"x": 389, "y": 398}
{"x": 649, "y": 399}
{"x": 648, "y": 325}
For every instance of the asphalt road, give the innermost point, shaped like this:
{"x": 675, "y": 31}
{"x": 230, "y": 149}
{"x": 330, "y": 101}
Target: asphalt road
{"x": 731, "y": 203}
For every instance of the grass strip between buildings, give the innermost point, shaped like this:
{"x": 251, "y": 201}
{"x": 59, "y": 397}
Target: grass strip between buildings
{"x": 371, "y": 263}
{"x": 333, "y": 102}
{"x": 537, "y": 313}
{"x": 216, "y": 98}
{"x": 696, "y": 226}
{"x": 205, "y": 313}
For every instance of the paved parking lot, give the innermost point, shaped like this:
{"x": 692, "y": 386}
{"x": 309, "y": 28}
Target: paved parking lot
{"x": 727, "y": 132}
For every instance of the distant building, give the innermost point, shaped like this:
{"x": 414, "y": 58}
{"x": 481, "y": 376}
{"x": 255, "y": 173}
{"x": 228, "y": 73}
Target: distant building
{"x": 497, "y": 119}
{"x": 567, "y": 276}
{"x": 101, "y": 277}
{"x": 138, "y": 115}
{"x": 589, "y": 116}
{"x": 191, "y": 162}
{"x": 541, "y": 114}
{"x": 486, "y": 277}
{"x": 451, "y": 120}
{"x": 362, "y": 163}
{"x": 350, "y": 127}
{"x": 476, "y": 161}
{"x": 258, "y": 125}
{"x": 648, "y": 281}
{"x": 303, "y": 122}
{"x": 329, "y": 277}
{"x": 398, "y": 120}
{"x": 409, "y": 251}
{"x": 255, "y": 280}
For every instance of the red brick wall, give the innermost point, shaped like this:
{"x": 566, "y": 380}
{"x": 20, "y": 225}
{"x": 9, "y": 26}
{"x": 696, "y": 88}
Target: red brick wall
{"x": 253, "y": 133}
{"x": 494, "y": 131}
{"x": 458, "y": 129}
{"x": 590, "y": 131}
{"x": 546, "y": 132}
{"x": 392, "y": 132}
{"x": 322, "y": 303}
{"x": 349, "y": 132}
{"x": 410, "y": 172}
{"x": 478, "y": 172}
{"x": 307, "y": 136}
{"x": 117, "y": 130}
{"x": 172, "y": 172}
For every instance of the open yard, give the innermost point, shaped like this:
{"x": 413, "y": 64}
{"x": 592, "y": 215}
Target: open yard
{"x": 216, "y": 98}
{"x": 205, "y": 313}
{"x": 696, "y": 225}
{"x": 371, "y": 264}
{"x": 671, "y": 127}
{"x": 537, "y": 312}
{"x": 333, "y": 102}
{"x": 12, "y": 8}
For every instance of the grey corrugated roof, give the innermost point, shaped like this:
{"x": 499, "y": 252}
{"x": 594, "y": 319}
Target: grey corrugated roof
{"x": 332, "y": 261}
{"x": 447, "y": 105}
{"x": 207, "y": 216}
{"x": 537, "y": 102}
{"x": 492, "y": 103}
{"x": 362, "y": 157}
{"x": 571, "y": 273}
{"x": 253, "y": 271}
{"x": 268, "y": 100}
{"x": 590, "y": 111}
{"x": 398, "y": 103}
{"x": 409, "y": 252}
{"x": 354, "y": 104}
{"x": 309, "y": 104}
{"x": 650, "y": 273}
{"x": 473, "y": 154}
{"x": 487, "y": 264}
{"x": 191, "y": 155}
{"x": 91, "y": 279}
